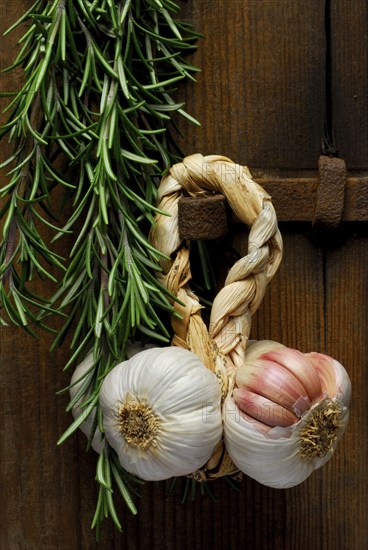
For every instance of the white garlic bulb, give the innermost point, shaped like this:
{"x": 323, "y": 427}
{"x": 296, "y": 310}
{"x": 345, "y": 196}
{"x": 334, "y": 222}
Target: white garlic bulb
{"x": 286, "y": 413}
{"x": 79, "y": 377}
{"x": 161, "y": 413}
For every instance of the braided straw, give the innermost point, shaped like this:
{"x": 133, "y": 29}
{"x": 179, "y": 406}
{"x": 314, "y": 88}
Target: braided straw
{"x": 221, "y": 347}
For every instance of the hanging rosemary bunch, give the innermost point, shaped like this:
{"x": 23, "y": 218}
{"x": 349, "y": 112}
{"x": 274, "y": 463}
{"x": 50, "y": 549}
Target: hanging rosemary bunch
{"x": 90, "y": 141}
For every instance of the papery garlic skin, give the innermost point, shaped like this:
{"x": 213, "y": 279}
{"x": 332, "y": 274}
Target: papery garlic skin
{"x": 161, "y": 413}
{"x": 283, "y": 454}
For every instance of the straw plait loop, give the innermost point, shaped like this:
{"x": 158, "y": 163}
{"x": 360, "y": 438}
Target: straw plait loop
{"x": 222, "y": 345}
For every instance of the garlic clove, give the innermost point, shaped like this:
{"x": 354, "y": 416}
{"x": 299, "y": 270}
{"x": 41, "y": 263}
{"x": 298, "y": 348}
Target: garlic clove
{"x": 334, "y": 378}
{"x": 326, "y": 372}
{"x": 274, "y": 382}
{"x": 301, "y": 367}
{"x": 256, "y": 348}
{"x": 262, "y": 409}
{"x": 343, "y": 383}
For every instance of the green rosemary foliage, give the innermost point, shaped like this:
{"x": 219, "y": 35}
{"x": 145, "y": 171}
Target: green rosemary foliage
{"x": 90, "y": 141}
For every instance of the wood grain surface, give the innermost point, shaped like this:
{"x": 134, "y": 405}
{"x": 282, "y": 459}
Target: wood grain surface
{"x": 262, "y": 87}
{"x": 261, "y": 100}
{"x": 349, "y": 59}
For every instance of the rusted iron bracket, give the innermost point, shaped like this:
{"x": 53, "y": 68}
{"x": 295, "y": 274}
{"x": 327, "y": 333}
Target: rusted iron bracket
{"x": 295, "y": 198}
{"x": 298, "y": 198}
{"x": 330, "y": 195}
{"x": 203, "y": 218}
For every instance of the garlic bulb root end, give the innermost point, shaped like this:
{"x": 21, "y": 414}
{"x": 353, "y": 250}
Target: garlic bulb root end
{"x": 320, "y": 429}
{"x": 137, "y": 423}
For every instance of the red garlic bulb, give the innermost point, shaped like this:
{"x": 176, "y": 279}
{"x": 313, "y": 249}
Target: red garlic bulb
{"x": 286, "y": 413}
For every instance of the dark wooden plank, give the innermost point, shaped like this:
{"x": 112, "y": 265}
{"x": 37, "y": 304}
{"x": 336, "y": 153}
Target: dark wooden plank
{"x": 39, "y": 503}
{"x": 292, "y": 310}
{"x": 261, "y": 94}
{"x": 349, "y": 70}
{"x": 346, "y": 313}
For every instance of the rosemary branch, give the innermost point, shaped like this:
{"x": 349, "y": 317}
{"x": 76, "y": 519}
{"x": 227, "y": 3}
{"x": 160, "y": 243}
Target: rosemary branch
{"x": 90, "y": 139}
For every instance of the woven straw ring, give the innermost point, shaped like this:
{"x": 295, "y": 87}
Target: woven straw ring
{"x": 221, "y": 347}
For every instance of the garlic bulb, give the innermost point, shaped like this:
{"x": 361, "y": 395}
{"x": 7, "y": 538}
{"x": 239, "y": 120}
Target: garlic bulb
{"x": 286, "y": 413}
{"x": 161, "y": 413}
{"x": 79, "y": 377}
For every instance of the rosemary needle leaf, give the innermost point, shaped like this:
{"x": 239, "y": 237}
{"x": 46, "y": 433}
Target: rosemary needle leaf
{"x": 123, "y": 489}
{"x": 100, "y": 471}
{"x": 90, "y": 142}
{"x": 78, "y": 421}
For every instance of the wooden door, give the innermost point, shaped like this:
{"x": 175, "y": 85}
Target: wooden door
{"x": 275, "y": 75}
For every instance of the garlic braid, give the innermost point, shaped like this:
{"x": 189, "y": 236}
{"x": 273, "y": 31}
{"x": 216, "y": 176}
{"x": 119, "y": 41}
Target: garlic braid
{"x": 224, "y": 343}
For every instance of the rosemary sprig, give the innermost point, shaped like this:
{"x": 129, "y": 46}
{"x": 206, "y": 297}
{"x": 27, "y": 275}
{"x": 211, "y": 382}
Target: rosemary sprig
{"x": 90, "y": 142}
